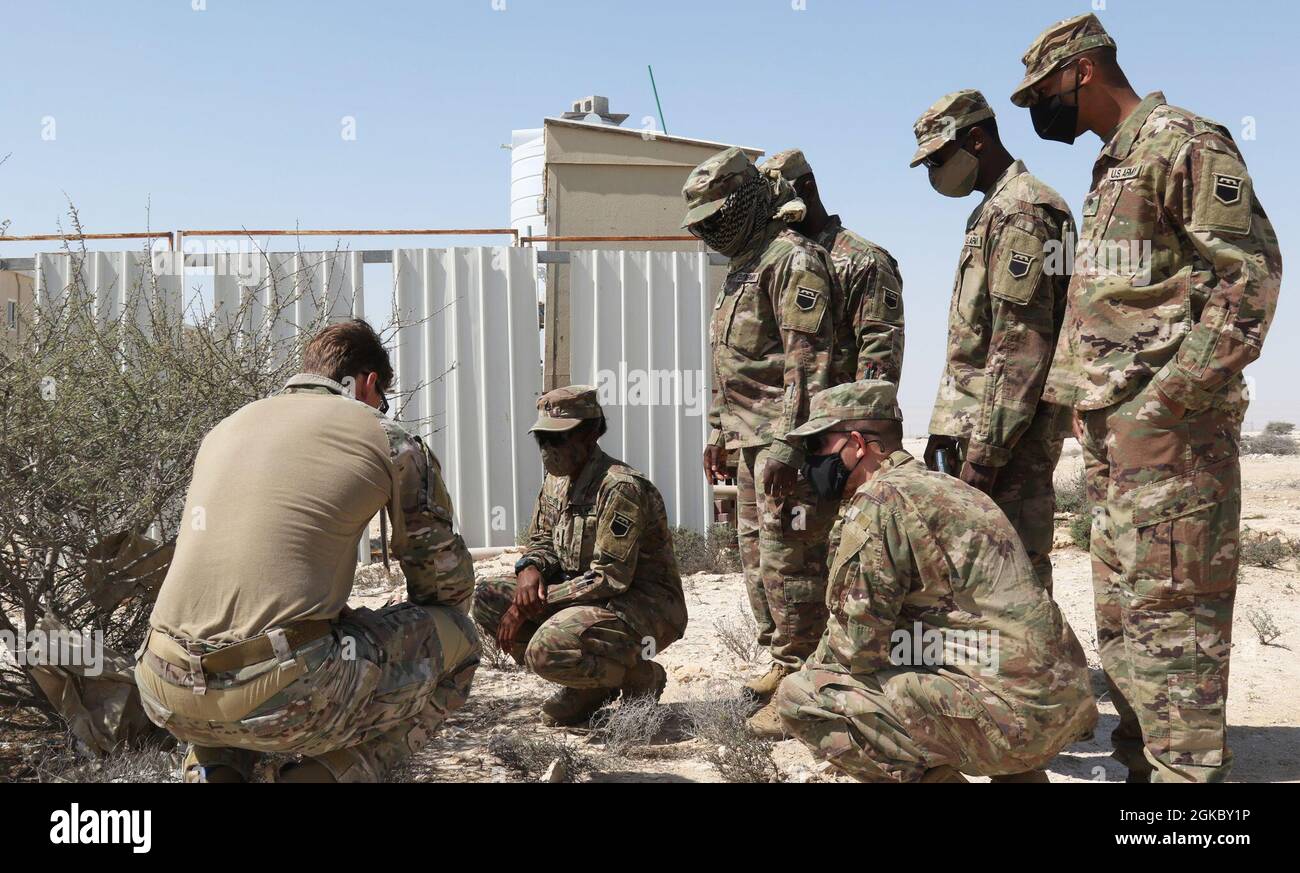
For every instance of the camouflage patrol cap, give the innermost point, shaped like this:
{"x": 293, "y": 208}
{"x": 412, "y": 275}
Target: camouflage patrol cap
{"x": 1054, "y": 46}
{"x": 708, "y": 185}
{"x": 790, "y": 164}
{"x": 566, "y": 408}
{"x": 939, "y": 124}
{"x": 868, "y": 399}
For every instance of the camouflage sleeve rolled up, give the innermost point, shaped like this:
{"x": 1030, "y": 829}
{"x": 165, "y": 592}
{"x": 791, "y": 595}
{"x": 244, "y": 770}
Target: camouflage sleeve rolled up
{"x": 620, "y": 520}
{"x": 803, "y": 295}
{"x": 541, "y": 532}
{"x": 875, "y": 306}
{"x": 434, "y": 559}
{"x": 1022, "y": 338}
{"x": 1210, "y": 197}
{"x": 866, "y": 597}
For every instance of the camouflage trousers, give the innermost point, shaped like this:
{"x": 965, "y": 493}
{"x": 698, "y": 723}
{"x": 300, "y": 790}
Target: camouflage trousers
{"x": 1167, "y": 498}
{"x": 358, "y": 700}
{"x": 1025, "y": 492}
{"x": 784, "y": 549}
{"x": 893, "y": 725}
{"x": 585, "y": 646}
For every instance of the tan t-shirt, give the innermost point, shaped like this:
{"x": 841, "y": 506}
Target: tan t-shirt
{"x": 281, "y": 492}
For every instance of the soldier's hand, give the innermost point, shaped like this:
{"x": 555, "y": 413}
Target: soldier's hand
{"x": 715, "y": 464}
{"x": 936, "y": 442}
{"x": 530, "y": 591}
{"x": 508, "y": 629}
{"x": 778, "y": 478}
{"x": 979, "y": 476}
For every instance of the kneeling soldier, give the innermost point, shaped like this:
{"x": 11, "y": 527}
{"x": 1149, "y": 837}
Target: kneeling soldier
{"x": 942, "y": 652}
{"x": 597, "y": 592}
{"x": 252, "y": 647}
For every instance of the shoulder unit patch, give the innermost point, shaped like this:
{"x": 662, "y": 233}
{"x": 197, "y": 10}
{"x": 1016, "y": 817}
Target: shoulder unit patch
{"x": 620, "y": 525}
{"x": 1227, "y": 189}
{"x": 1018, "y": 264}
{"x": 806, "y": 298}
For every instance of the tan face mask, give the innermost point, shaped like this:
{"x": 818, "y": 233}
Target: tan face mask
{"x": 956, "y": 176}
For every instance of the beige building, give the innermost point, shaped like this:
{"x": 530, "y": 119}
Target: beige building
{"x": 15, "y": 305}
{"x": 600, "y": 179}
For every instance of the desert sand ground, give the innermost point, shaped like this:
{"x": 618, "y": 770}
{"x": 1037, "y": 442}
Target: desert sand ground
{"x": 1264, "y": 704}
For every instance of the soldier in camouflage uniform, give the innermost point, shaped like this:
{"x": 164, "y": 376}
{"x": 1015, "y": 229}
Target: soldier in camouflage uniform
{"x": 1175, "y": 282}
{"x": 870, "y": 326}
{"x": 252, "y": 647}
{"x": 597, "y": 592}
{"x": 773, "y": 338}
{"x": 1007, "y": 304}
{"x": 942, "y": 655}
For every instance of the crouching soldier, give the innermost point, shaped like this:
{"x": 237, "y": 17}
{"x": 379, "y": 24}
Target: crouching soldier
{"x": 942, "y": 654}
{"x": 252, "y": 647}
{"x": 597, "y": 593}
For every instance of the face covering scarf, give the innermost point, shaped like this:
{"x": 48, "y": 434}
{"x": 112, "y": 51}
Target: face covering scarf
{"x": 742, "y": 214}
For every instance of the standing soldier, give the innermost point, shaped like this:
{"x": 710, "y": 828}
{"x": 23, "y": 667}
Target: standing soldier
{"x": 1175, "y": 283}
{"x": 943, "y": 655}
{"x": 870, "y": 328}
{"x": 252, "y": 647}
{"x": 773, "y": 337}
{"x": 597, "y": 593}
{"x": 1007, "y": 304}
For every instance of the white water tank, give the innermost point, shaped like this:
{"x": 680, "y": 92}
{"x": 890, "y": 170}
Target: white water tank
{"x": 527, "y": 182}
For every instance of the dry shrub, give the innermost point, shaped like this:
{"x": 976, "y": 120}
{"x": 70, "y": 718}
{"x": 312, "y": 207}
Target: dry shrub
{"x": 716, "y": 552}
{"x": 739, "y": 635}
{"x": 1072, "y": 493}
{"x": 530, "y": 754}
{"x": 721, "y": 724}
{"x": 1269, "y": 444}
{"x": 1266, "y": 627}
{"x": 1264, "y": 550}
{"x": 630, "y": 729}
{"x": 156, "y": 760}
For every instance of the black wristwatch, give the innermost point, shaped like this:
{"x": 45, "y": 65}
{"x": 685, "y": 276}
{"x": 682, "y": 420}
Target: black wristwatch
{"x": 524, "y": 562}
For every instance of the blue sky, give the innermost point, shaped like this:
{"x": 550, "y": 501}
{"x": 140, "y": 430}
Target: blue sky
{"x": 231, "y": 115}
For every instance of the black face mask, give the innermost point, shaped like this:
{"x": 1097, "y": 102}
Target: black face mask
{"x": 827, "y": 474}
{"x": 1053, "y": 119}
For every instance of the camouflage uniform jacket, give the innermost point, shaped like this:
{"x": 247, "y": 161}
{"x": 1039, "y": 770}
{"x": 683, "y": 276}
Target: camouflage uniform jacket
{"x": 1007, "y": 304}
{"x": 434, "y": 559}
{"x": 924, "y": 548}
{"x": 773, "y": 338}
{"x": 1192, "y": 310}
{"x": 872, "y": 325}
{"x": 602, "y": 537}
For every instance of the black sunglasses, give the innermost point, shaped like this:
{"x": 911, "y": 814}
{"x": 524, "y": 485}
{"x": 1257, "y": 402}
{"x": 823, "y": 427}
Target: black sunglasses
{"x": 551, "y": 437}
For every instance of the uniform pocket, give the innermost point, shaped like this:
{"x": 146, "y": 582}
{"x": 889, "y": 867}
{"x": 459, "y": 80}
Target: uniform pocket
{"x": 1185, "y": 531}
{"x": 748, "y": 330}
{"x": 1197, "y": 724}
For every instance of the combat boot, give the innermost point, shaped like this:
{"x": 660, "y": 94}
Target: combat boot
{"x": 1027, "y": 776}
{"x": 766, "y": 723}
{"x": 646, "y": 679}
{"x": 761, "y": 688}
{"x": 212, "y": 766}
{"x": 943, "y": 774}
{"x": 572, "y": 706}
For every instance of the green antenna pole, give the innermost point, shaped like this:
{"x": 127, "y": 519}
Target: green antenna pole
{"x": 656, "y": 90}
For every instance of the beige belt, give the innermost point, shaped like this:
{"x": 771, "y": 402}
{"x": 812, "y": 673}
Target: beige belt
{"x": 275, "y": 643}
